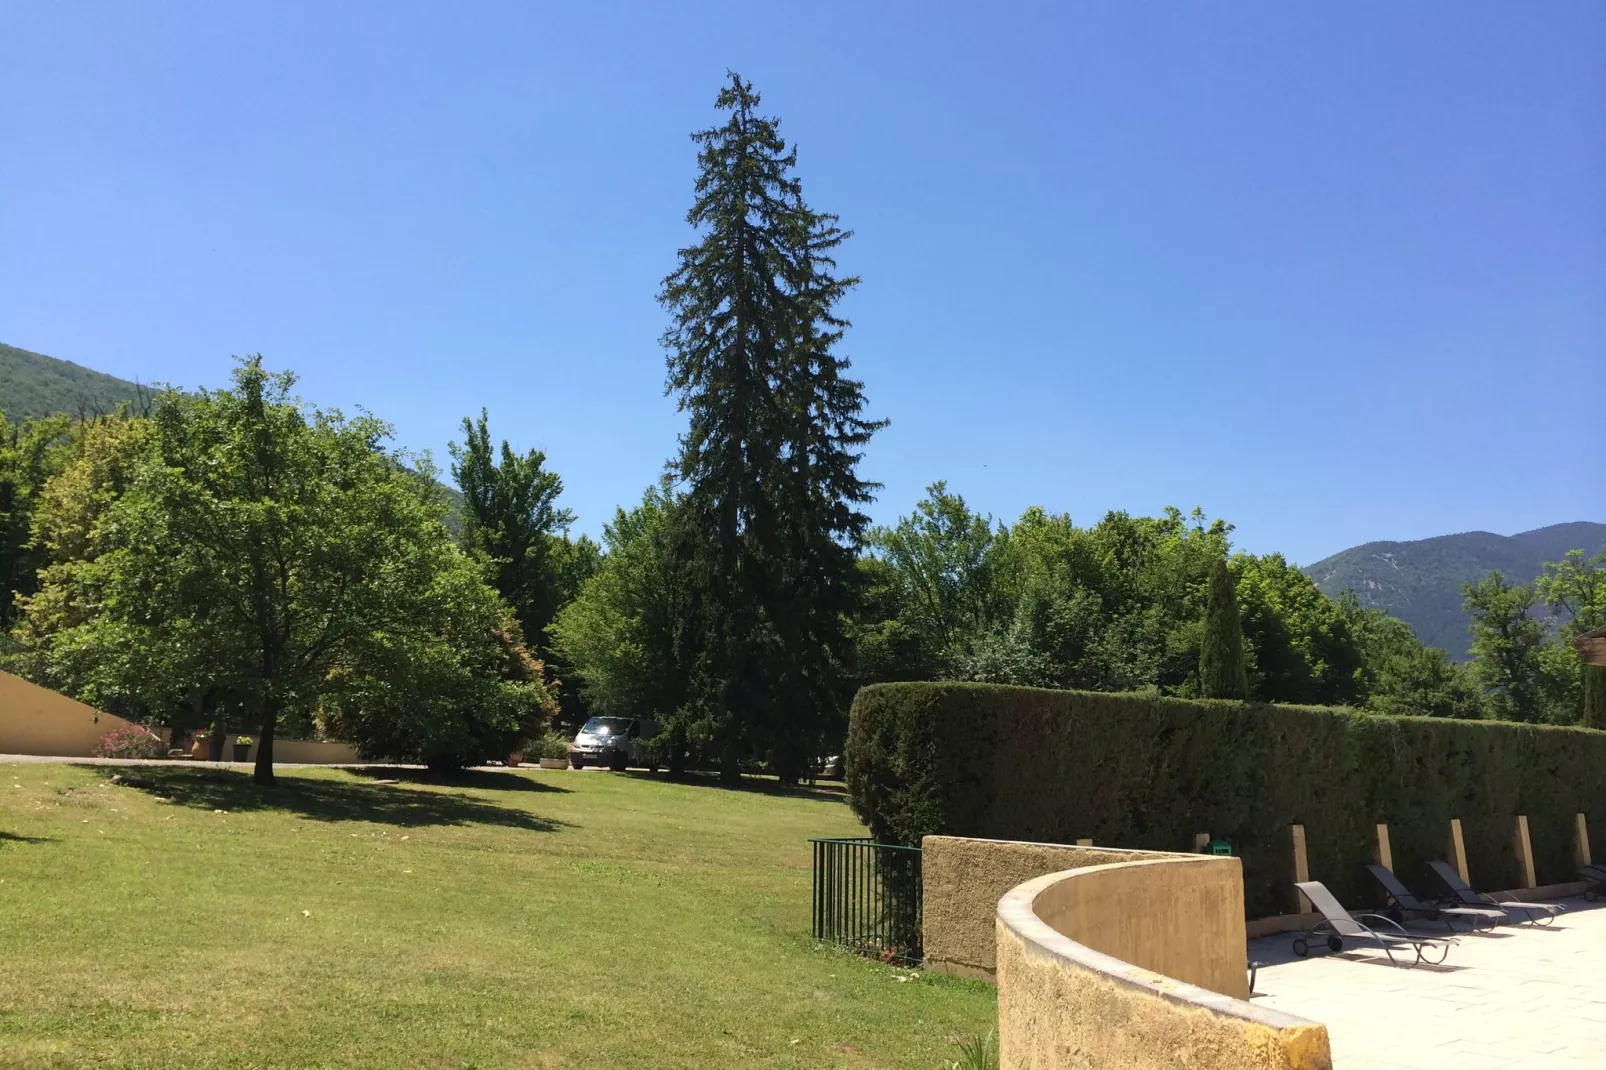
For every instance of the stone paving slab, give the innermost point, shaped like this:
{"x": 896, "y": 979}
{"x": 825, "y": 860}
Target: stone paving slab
{"x": 1519, "y": 998}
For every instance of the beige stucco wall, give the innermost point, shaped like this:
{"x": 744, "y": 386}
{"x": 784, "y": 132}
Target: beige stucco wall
{"x": 36, "y": 720}
{"x": 1064, "y": 1004}
{"x": 1183, "y": 917}
{"x": 963, "y": 879}
{"x": 308, "y": 752}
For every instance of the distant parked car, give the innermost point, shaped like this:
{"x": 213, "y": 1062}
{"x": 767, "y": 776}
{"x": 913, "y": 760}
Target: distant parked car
{"x": 613, "y": 742}
{"x": 828, "y": 768}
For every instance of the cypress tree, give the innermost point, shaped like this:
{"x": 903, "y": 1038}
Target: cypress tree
{"x": 771, "y": 522}
{"x": 1594, "y": 697}
{"x": 1222, "y": 672}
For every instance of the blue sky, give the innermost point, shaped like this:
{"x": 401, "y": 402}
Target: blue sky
{"x": 1334, "y": 275}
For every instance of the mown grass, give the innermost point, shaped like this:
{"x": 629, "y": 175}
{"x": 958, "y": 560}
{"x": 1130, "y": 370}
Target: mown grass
{"x": 517, "y": 919}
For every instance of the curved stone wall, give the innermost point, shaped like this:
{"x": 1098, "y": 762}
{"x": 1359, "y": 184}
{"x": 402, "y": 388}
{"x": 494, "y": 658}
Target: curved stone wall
{"x": 1124, "y": 965}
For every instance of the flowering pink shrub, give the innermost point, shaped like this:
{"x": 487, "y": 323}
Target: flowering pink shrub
{"x": 129, "y": 741}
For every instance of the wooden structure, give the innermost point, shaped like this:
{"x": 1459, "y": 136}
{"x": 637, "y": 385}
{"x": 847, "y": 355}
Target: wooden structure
{"x": 1591, "y": 646}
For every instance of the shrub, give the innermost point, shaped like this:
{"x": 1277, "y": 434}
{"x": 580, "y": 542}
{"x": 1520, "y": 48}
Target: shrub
{"x": 550, "y": 745}
{"x": 1148, "y": 772}
{"x": 129, "y": 741}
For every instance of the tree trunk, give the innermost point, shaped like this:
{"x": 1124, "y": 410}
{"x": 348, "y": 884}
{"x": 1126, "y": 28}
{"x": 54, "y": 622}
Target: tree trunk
{"x": 264, "y": 769}
{"x": 730, "y": 765}
{"x": 677, "y": 752}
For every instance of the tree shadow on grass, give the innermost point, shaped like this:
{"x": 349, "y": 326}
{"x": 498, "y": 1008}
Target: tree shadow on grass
{"x": 825, "y": 791}
{"x": 12, "y": 837}
{"x": 331, "y": 800}
{"x": 488, "y": 779}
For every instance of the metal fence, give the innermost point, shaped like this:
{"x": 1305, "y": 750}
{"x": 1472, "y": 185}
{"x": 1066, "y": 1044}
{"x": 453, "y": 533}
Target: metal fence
{"x": 867, "y": 897}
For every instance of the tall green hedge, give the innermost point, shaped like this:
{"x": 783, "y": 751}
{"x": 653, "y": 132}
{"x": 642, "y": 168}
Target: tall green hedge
{"x": 1146, "y": 772}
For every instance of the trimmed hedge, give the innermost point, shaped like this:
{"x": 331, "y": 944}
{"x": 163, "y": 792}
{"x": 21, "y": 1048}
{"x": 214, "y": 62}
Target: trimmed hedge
{"x": 1146, "y": 772}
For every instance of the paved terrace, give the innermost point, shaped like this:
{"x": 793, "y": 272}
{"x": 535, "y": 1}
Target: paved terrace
{"x": 1518, "y": 998}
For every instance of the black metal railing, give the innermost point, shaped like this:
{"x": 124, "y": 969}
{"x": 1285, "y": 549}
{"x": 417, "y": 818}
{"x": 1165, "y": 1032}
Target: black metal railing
{"x": 867, "y": 897}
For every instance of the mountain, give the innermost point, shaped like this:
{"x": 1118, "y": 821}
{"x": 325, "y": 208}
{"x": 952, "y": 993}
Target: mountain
{"x": 1420, "y": 582}
{"x": 32, "y": 384}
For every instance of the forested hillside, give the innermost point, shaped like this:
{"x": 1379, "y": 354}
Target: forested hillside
{"x": 32, "y": 384}
{"x": 1420, "y": 582}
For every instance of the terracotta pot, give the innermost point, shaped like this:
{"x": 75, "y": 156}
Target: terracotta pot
{"x": 516, "y": 758}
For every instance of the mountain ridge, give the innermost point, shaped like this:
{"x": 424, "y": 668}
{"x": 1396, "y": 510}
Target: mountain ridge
{"x": 34, "y": 384}
{"x": 1419, "y": 580}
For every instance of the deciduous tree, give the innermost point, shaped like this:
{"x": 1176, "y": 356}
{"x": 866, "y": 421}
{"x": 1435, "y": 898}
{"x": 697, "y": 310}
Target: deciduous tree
{"x": 278, "y": 554}
{"x": 1506, "y": 642}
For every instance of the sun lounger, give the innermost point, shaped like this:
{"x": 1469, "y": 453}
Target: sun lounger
{"x": 1532, "y": 913}
{"x": 1595, "y": 877}
{"x": 1403, "y": 901}
{"x": 1338, "y": 925}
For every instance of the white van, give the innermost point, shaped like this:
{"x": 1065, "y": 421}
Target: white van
{"x": 612, "y": 742}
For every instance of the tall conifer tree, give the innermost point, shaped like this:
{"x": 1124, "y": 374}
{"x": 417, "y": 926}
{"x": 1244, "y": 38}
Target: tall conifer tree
{"x": 771, "y": 518}
{"x": 1222, "y": 671}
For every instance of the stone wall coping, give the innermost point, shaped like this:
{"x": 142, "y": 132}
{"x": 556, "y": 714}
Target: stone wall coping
{"x": 1096, "y": 848}
{"x": 1016, "y": 912}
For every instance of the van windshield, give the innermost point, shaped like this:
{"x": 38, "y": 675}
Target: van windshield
{"x": 607, "y": 726}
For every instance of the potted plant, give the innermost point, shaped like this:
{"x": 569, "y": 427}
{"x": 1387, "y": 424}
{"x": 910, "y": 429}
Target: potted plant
{"x": 242, "y": 748}
{"x": 200, "y": 744}
{"x": 516, "y": 757}
{"x": 554, "y": 751}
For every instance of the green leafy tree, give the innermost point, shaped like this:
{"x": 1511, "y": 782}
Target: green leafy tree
{"x": 1301, "y": 644}
{"x": 1222, "y": 671}
{"x": 620, "y": 633}
{"x": 280, "y": 556}
{"x": 1402, "y": 676}
{"x": 770, "y": 455}
{"x": 30, "y": 453}
{"x": 68, "y": 534}
{"x": 510, "y": 514}
{"x": 941, "y": 566}
{"x": 1575, "y": 587}
{"x": 1506, "y": 642}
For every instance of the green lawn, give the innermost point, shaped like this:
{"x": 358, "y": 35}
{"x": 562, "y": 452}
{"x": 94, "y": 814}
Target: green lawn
{"x": 517, "y": 919}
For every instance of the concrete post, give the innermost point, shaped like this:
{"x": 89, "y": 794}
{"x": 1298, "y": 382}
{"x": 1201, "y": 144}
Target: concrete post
{"x": 1301, "y": 868}
{"x": 1201, "y": 840}
{"x": 1581, "y": 840}
{"x": 1525, "y": 851}
{"x": 1381, "y": 854}
{"x": 1458, "y": 850}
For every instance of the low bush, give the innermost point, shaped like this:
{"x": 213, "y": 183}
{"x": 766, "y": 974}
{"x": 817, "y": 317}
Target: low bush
{"x": 550, "y": 745}
{"x": 129, "y": 741}
{"x": 1148, "y": 772}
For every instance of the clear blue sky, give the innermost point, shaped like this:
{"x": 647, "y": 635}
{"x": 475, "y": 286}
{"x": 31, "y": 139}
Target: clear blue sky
{"x": 1334, "y": 275}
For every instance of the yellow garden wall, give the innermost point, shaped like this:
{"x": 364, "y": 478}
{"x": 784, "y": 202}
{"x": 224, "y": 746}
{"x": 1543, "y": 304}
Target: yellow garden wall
{"x": 36, "y": 720}
{"x": 963, "y": 879}
{"x": 1064, "y": 1003}
{"x": 310, "y": 752}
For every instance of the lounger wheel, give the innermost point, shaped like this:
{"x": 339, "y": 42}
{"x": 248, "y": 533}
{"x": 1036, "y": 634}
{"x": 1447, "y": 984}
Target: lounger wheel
{"x": 1590, "y": 895}
{"x": 1301, "y": 948}
{"x": 1334, "y": 944}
